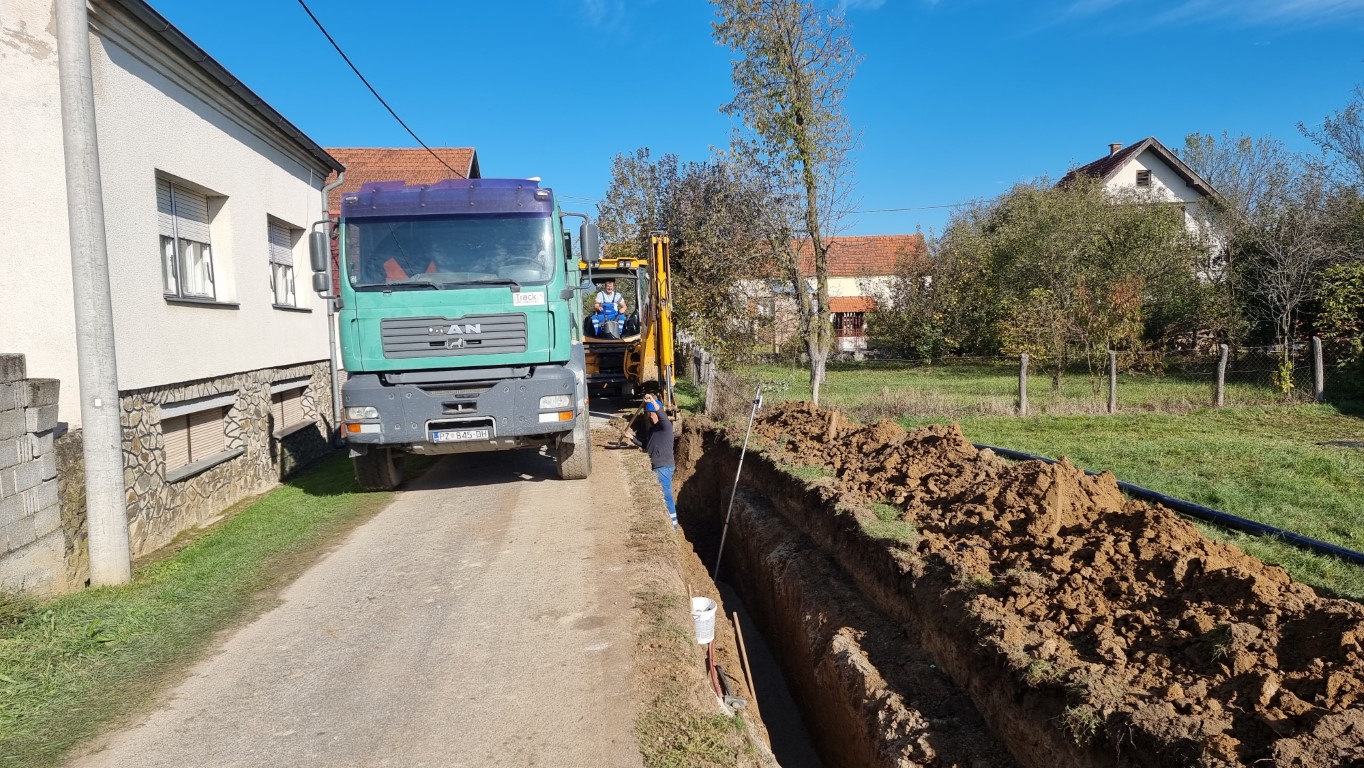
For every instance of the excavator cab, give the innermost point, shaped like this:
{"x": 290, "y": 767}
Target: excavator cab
{"x": 633, "y": 355}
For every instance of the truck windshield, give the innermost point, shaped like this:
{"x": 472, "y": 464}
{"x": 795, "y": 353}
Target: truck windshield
{"x": 449, "y": 251}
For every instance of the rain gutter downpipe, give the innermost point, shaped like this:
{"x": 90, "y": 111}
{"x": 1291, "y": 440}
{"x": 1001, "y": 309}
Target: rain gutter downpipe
{"x": 338, "y": 438}
{"x": 1209, "y": 514}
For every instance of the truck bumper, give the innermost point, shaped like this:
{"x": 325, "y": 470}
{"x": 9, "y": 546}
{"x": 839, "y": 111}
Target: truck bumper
{"x": 411, "y": 416}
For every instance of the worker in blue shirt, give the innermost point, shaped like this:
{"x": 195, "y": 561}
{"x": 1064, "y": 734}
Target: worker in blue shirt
{"x": 658, "y": 443}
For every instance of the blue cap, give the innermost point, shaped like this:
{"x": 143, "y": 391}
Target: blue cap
{"x": 652, "y": 406}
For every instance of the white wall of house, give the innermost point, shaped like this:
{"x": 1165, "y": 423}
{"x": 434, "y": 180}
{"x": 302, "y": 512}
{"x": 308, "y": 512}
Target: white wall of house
{"x": 856, "y": 286}
{"x": 35, "y": 266}
{"x": 156, "y": 115}
{"x": 1169, "y": 186}
{"x": 1165, "y": 183}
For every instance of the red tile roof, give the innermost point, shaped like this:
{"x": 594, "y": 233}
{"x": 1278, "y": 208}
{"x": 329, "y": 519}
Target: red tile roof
{"x": 865, "y": 255}
{"x": 852, "y": 304}
{"x": 413, "y": 165}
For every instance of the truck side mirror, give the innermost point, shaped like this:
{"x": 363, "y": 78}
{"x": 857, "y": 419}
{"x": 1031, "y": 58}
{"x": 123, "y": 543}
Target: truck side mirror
{"x": 321, "y": 284}
{"x": 319, "y": 251}
{"x": 589, "y": 240}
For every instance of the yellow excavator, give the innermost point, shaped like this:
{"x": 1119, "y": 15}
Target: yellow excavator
{"x": 632, "y": 354}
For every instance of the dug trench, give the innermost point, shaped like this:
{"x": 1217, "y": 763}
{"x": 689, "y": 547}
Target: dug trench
{"x": 934, "y": 605}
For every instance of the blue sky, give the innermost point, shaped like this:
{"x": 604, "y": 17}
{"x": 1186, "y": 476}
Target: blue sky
{"x": 955, "y": 99}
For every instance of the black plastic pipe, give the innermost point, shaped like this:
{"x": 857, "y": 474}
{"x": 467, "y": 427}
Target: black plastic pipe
{"x": 1209, "y": 514}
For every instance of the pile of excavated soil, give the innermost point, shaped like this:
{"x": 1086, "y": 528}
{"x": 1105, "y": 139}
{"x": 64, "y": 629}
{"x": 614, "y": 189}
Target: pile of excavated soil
{"x": 1160, "y": 636}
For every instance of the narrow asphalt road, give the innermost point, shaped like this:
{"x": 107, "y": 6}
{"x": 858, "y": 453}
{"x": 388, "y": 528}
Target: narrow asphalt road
{"x": 482, "y": 619}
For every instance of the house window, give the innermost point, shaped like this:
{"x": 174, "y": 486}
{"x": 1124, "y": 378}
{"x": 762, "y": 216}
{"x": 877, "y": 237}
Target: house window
{"x": 194, "y": 437}
{"x": 849, "y": 323}
{"x": 281, "y": 239}
{"x": 286, "y": 406}
{"x": 1143, "y": 178}
{"x": 186, "y": 253}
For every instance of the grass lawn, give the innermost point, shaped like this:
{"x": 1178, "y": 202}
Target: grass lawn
{"x": 990, "y": 387}
{"x": 79, "y": 663}
{"x": 1264, "y": 462}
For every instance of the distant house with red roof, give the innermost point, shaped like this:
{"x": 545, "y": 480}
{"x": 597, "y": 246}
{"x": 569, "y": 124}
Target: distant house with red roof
{"x": 860, "y": 270}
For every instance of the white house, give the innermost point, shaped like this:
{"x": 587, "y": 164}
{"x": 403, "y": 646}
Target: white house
{"x": 1150, "y": 167}
{"x": 860, "y": 270}
{"x": 221, "y": 345}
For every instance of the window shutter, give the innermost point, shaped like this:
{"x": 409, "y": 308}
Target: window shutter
{"x": 287, "y": 408}
{"x": 175, "y": 438}
{"x": 191, "y": 213}
{"x": 165, "y": 210}
{"x": 281, "y": 244}
{"x": 293, "y": 407}
{"x": 206, "y": 433}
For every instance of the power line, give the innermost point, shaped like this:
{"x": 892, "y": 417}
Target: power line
{"x": 915, "y": 208}
{"x": 353, "y": 68}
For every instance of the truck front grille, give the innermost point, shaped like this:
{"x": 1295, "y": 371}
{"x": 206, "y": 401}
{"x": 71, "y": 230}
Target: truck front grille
{"x": 408, "y": 337}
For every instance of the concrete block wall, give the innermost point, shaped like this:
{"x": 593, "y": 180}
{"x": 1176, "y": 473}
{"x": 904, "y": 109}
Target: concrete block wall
{"x": 32, "y": 543}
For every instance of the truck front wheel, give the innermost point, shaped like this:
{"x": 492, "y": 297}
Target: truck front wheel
{"x": 574, "y": 453}
{"x": 379, "y": 469}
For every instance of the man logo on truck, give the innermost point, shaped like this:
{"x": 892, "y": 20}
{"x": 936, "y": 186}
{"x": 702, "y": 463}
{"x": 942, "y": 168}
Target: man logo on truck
{"x": 455, "y": 329}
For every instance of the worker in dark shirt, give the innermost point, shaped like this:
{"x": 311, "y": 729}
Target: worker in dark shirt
{"x": 658, "y": 443}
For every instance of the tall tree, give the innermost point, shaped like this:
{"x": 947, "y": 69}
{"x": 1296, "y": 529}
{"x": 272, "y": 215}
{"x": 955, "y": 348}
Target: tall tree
{"x": 1281, "y": 252}
{"x": 633, "y": 206}
{"x": 710, "y": 211}
{"x": 1067, "y": 273}
{"x": 1286, "y": 219}
{"x": 795, "y": 63}
{"x": 1341, "y": 138}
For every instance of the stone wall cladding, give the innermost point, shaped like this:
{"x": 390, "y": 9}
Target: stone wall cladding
{"x": 32, "y": 544}
{"x": 158, "y": 510}
{"x": 70, "y": 450}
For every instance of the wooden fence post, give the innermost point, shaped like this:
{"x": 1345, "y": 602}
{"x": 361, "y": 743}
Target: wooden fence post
{"x": 1220, "y": 397}
{"x": 710, "y": 387}
{"x": 1112, "y": 381}
{"x": 1318, "y": 372}
{"x": 1023, "y": 384}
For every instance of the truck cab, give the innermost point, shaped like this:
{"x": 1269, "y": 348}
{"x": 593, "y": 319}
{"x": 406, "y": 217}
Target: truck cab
{"x": 460, "y": 324}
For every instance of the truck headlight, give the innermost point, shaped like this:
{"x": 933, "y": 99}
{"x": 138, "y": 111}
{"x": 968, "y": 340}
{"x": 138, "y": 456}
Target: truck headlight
{"x": 358, "y": 412}
{"x": 555, "y": 401}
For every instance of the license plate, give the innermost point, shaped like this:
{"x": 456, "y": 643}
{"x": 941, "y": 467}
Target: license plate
{"x": 456, "y": 435}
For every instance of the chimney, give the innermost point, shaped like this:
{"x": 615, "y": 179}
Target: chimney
{"x": 1113, "y": 148}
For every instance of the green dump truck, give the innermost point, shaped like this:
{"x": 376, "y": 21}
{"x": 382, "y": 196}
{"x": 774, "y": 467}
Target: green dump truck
{"x": 460, "y": 323}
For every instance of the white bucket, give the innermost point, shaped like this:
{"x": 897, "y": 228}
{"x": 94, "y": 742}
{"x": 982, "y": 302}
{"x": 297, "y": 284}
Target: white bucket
{"x": 703, "y": 616}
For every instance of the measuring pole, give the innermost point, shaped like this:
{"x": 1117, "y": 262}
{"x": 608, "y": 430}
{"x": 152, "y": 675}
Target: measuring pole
{"x": 757, "y": 403}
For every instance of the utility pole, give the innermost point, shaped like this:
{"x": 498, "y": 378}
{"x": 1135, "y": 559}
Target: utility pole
{"x": 106, "y": 514}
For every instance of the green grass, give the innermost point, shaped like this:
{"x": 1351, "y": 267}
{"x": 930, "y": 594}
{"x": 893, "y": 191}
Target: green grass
{"x": 807, "y": 472}
{"x": 875, "y": 389}
{"x": 690, "y": 397}
{"x": 78, "y": 663}
{"x": 890, "y": 525}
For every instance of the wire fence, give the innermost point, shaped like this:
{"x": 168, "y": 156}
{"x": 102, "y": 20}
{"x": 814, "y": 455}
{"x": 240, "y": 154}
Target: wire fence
{"x": 1109, "y": 383}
